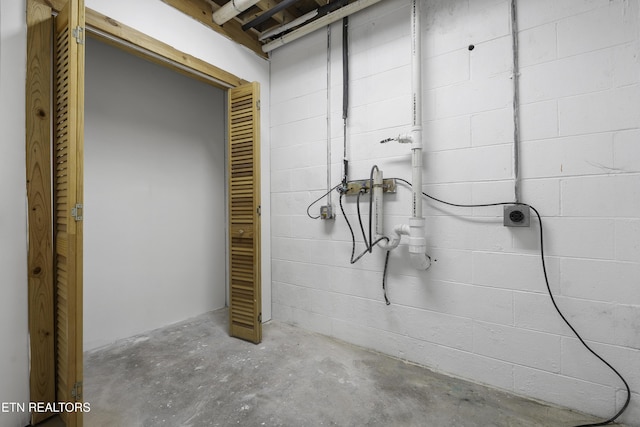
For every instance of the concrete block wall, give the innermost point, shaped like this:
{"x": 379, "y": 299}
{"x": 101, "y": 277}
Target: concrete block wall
{"x": 481, "y": 311}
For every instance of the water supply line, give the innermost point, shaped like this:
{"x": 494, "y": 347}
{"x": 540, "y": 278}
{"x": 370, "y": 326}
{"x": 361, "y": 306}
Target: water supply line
{"x": 415, "y": 230}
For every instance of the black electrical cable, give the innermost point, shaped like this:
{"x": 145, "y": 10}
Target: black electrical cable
{"x": 553, "y": 300}
{"x": 384, "y": 277}
{"x": 317, "y": 200}
{"x": 374, "y": 168}
{"x": 368, "y": 248}
{"x": 364, "y": 235}
{"x": 353, "y": 237}
{"x": 345, "y": 67}
{"x": 353, "y": 251}
{"x": 386, "y": 259}
{"x": 345, "y": 98}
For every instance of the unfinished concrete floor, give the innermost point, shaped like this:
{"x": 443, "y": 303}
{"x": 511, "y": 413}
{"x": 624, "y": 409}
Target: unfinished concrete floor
{"x": 194, "y": 374}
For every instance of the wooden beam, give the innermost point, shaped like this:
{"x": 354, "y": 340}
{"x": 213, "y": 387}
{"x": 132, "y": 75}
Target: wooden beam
{"x": 281, "y": 17}
{"x": 157, "y": 48}
{"x": 202, "y": 11}
{"x": 40, "y": 255}
{"x": 55, "y": 5}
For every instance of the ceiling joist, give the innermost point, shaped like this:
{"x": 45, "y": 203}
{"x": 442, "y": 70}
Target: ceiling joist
{"x": 259, "y": 24}
{"x": 202, "y": 11}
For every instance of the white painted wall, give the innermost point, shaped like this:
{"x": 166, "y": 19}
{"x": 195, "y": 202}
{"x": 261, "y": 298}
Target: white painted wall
{"x": 154, "y": 216}
{"x": 163, "y": 22}
{"x": 14, "y": 356}
{"x": 481, "y": 311}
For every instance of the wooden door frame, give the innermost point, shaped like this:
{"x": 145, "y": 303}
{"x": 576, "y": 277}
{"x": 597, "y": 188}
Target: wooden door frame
{"x": 38, "y": 162}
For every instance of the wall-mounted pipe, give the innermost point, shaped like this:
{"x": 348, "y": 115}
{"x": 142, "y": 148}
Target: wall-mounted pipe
{"x": 398, "y": 231}
{"x": 377, "y": 203}
{"x": 330, "y": 18}
{"x": 417, "y": 242}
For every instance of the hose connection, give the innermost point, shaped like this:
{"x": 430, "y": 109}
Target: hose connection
{"x": 406, "y": 138}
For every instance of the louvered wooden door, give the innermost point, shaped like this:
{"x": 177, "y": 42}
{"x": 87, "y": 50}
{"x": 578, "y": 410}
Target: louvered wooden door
{"x": 245, "y": 317}
{"x": 67, "y": 195}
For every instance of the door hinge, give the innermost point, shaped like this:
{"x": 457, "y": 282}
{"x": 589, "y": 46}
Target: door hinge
{"x": 76, "y": 391}
{"x": 258, "y": 104}
{"x": 259, "y": 211}
{"x": 260, "y": 317}
{"x": 76, "y": 212}
{"x": 78, "y": 33}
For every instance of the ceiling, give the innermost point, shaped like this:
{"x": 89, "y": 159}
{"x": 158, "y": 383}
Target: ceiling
{"x": 293, "y": 9}
{"x": 265, "y": 16}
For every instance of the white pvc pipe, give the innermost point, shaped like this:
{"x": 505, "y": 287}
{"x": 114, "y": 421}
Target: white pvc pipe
{"x": 417, "y": 241}
{"x": 415, "y": 230}
{"x": 419, "y": 261}
{"x": 416, "y": 101}
{"x": 377, "y": 202}
{"x": 399, "y": 230}
{"x": 231, "y": 9}
{"x": 319, "y": 23}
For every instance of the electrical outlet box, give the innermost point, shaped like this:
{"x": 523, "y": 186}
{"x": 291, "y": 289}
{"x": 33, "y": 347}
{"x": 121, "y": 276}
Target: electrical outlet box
{"x": 326, "y": 212}
{"x": 354, "y": 187}
{"x": 517, "y": 216}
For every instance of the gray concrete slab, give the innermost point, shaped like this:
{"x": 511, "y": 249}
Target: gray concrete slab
{"x": 193, "y": 374}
